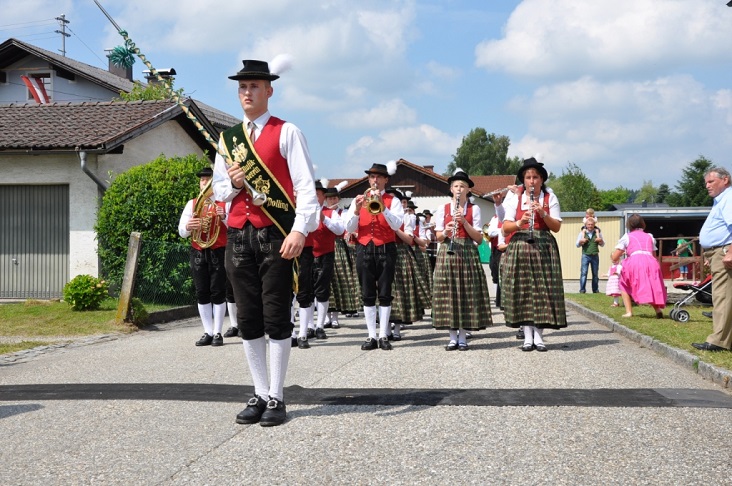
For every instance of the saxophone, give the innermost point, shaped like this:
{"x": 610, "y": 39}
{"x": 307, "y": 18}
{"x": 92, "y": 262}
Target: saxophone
{"x": 205, "y": 210}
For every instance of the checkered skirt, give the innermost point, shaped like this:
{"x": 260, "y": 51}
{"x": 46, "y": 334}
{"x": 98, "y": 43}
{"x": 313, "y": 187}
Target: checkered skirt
{"x": 344, "y": 286}
{"x": 532, "y": 290}
{"x": 460, "y": 298}
{"x": 405, "y": 307}
{"x": 424, "y": 279}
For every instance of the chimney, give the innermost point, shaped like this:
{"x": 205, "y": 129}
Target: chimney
{"x": 122, "y": 72}
{"x": 430, "y": 168}
{"x": 164, "y": 73}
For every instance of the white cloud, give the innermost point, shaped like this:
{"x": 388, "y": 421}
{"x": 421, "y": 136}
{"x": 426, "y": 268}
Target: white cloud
{"x": 618, "y": 128}
{"x": 420, "y": 144}
{"x": 568, "y": 38}
{"x": 386, "y": 114}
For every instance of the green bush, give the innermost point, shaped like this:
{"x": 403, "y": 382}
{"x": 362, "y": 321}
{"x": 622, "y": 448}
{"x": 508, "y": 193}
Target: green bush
{"x": 85, "y": 292}
{"x": 139, "y": 314}
{"x": 148, "y": 199}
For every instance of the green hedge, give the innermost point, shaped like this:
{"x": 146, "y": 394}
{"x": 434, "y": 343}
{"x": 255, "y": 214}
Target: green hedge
{"x": 148, "y": 199}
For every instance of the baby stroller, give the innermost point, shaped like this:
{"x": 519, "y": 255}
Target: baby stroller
{"x": 701, "y": 291}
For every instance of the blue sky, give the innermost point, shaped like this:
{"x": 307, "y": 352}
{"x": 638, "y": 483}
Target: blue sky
{"x": 630, "y": 91}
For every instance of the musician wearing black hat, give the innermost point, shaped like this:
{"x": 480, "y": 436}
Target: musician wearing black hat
{"x": 532, "y": 289}
{"x": 461, "y": 301}
{"x": 375, "y": 216}
{"x": 202, "y": 220}
{"x": 267, "y": 162}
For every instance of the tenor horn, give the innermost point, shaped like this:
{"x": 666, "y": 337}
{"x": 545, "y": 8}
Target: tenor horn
{"x": 205, "y": 209}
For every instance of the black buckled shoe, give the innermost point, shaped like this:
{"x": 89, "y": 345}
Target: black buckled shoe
{"x": 520, "y": 333}
{"x": 451, "y": 346}
{"x": 310, "y": 333}
{"x": 384, "y": 344}
{"x": 462, "y": 346}
{"x": 274, "y": 414}
{"x": 527, "y": 347}
{"x": 369, "y": 344}
{"x": 217, "y": 340}
{"x": 541, "y": 348}
{"x": 320, "y": 334}
{"x": 302, "y": 343}
{"x": 253, "y": 412}
{"x": 231, "y": 332}
{"x": 335, "y": 324}
{"x": 205, "y": 340}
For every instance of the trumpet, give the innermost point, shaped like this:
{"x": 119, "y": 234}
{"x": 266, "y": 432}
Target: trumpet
{"x": 373, "y": 202}
{"x": 497, "y": 191}
{"x": 205, "y": 210}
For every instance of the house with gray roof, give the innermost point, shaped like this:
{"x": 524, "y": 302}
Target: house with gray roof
{"x": 58, "y": 154}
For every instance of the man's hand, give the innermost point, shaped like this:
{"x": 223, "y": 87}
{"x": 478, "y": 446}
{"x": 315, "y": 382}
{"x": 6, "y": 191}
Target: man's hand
{"x": 292, "y": 246}
{"x": 236, "y": 175}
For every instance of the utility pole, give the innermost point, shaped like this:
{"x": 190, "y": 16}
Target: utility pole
{"x": 62, "y": 22}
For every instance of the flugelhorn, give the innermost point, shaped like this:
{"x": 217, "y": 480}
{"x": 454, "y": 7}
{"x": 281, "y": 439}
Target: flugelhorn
{"x": 205, "y": 210}
{"x": 373, "y": 202}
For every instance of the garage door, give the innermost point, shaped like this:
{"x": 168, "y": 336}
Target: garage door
{"x": 34, "y": 241}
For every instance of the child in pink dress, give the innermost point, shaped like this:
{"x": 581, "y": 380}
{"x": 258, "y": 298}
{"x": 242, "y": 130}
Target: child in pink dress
{"x": 641, "y": 279}
{"x": 612, "y": 287}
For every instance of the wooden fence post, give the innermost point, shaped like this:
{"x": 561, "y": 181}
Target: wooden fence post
{"x": 128, "y": 281}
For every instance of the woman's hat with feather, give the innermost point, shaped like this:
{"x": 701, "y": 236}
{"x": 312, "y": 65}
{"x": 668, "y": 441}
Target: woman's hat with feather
{"x": 387, "y": 170}
{"x": 336, "y": 190}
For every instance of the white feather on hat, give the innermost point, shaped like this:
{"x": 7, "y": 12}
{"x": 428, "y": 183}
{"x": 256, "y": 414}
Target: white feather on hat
{"x": 539, "y": 156}
{"x": 408, "y": 194}
{"x": 280, "y": 64}
{"x": 457, "y": 170}
{"x": 341, "y": 185}
{"x": 391, "y": 167}
{"x": 324, "y": 182}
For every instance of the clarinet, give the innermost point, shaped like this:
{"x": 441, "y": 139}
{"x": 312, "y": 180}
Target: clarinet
{"x": 531, "y": 219}
{"x": 455, "y": 210}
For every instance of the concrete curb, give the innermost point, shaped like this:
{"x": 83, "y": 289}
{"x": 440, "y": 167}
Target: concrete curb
{"x": 719, "y": 376}
{"x": 175, "y": 314}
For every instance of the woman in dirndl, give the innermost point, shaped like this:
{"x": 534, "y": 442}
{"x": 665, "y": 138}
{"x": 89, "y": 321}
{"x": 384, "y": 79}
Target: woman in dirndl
{"x": 532, "y": 289}
{"x": 460, "y": 300}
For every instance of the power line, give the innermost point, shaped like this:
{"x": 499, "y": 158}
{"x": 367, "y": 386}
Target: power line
{"x": 82, "y": 41}
{"x": 40, "y": 22}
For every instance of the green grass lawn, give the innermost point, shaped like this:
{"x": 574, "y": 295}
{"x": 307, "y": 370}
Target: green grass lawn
{"x": 36, "y": 322}
{"x": 677, "y": 334}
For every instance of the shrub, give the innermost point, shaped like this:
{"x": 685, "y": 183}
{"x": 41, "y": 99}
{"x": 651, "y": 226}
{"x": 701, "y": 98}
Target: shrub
{"x": 148, "y": 199}
{"x": 85, "y": 292}
{"x": 139, "y": 313}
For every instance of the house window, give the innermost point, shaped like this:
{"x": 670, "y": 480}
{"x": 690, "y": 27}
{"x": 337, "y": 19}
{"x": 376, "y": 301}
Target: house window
{"x": 41, "y": 84}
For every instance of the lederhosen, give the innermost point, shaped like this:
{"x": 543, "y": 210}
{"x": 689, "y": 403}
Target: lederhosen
{"x": 261, "y": 279}
{"x": 532, "y": 289}
{"x": 460, "y": 298}
{"x": 207, "y": 266}
{"x": 323, "y": 252}
{"x": 376, "y": 255}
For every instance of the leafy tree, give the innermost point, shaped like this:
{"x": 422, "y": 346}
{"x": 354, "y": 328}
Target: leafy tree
{"x": 647, "y": 193}
{"x": 149, "y": 199}
{"x": 576, "y": 192}
{"x": 691, "y": 190}
{"x": 151, "y": 91}
{"x": 484, "y": 154}
{"x": 662, "y": 194}
{"x": 611, "y": 197}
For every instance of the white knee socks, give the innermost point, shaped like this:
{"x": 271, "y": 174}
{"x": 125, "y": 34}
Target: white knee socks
{"x": 279, "y": 357}
{"x": 370, "y": 314}
{"x": 219, "y": 312}
{"x": 306, "y": 316}
{"x": 232, "y": 314}
{"x": 384, "y": 313}
{"x": 206, "y": 313}
{"x": 256, "y": 353}
{"x": 322, "y": 308}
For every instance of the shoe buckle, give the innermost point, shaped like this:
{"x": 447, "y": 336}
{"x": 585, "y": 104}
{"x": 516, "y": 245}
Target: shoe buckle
{"x": 253, "y": 402}
{"x": 272, "y": 404}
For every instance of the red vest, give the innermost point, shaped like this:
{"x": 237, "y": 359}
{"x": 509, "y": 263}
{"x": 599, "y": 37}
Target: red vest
{"x": 268, "y": 148}
{"x": 373, "y": 227}
{"x": 221, "y": 239}
{"x": 539, "y": 223}
{"x": 468, "y": 216}
{"x": 323, "y": 238}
